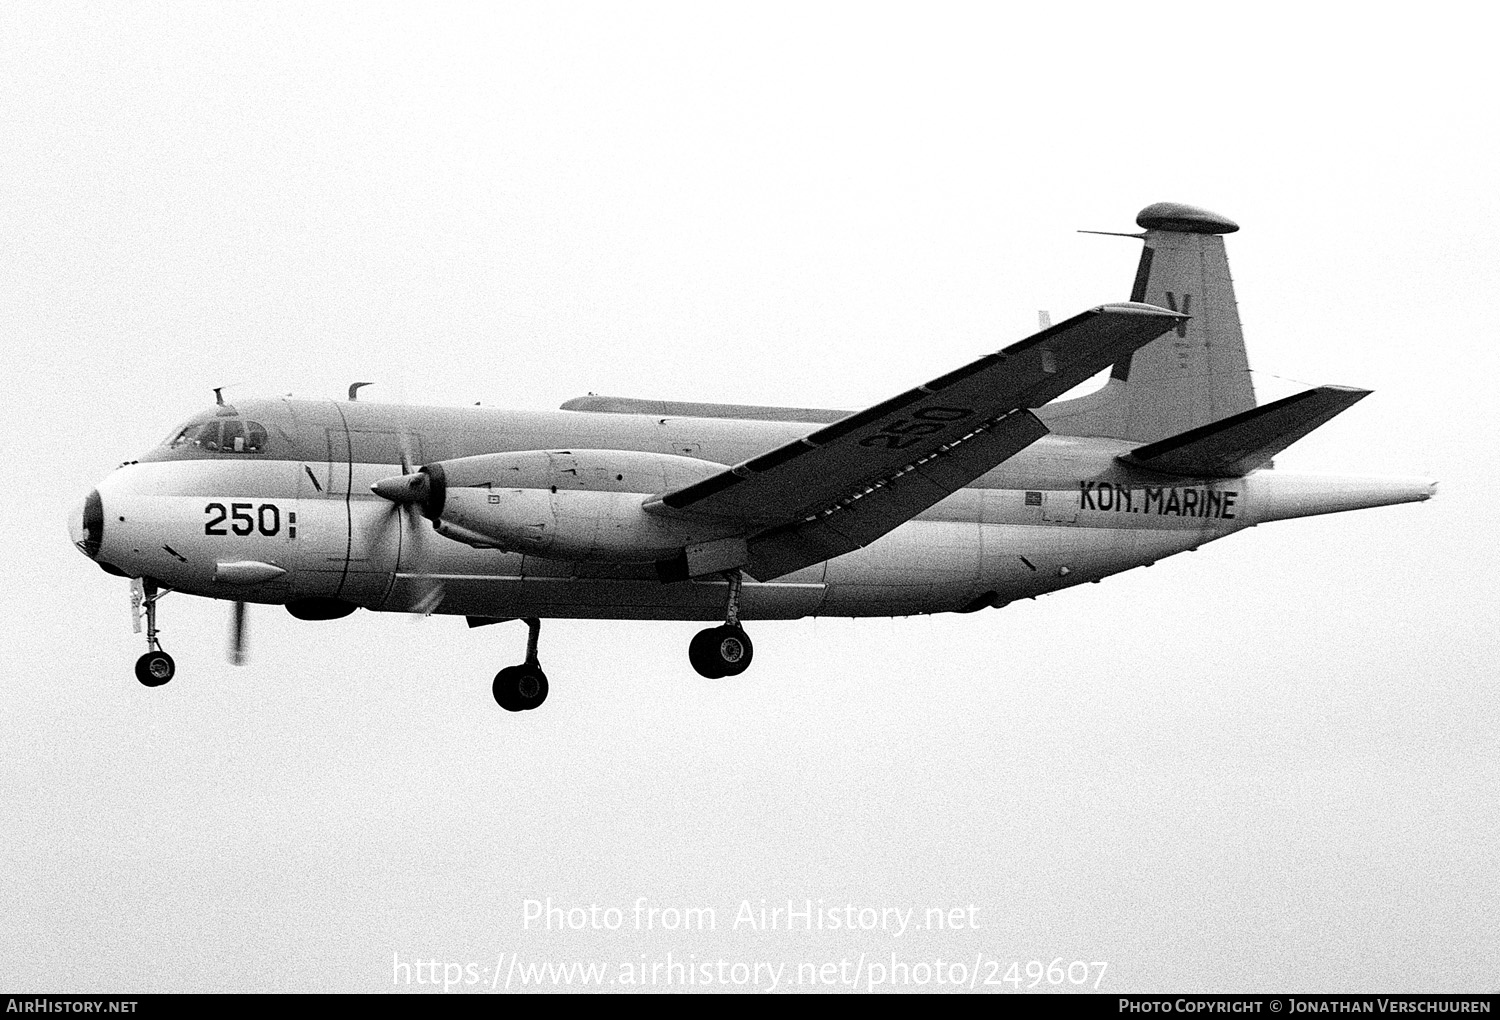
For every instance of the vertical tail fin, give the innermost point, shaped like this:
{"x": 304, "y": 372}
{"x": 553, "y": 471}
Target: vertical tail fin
{"x": 1194, "y": 375}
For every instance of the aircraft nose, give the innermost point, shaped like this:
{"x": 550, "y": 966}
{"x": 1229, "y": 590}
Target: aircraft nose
{"x": 86, "y": 525}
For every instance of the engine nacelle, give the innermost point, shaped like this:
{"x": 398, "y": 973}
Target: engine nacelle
{"x": 565, "y": 504}
{"x": 592, "y": 470}
{"x": 569, "y": 524}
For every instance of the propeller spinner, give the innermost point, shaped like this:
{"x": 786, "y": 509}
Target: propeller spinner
{"x": 423, "y": 489}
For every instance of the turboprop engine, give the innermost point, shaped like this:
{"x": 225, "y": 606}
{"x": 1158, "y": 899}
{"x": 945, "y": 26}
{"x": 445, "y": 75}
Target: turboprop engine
{"x": 561, "y": 504}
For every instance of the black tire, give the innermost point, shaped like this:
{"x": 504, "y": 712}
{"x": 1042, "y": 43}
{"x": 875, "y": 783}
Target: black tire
{"x": 155, "y": 668}
{"x": 701, "y": 654}
{"x": 531, "y": 687}
{"x": 520, "y": 688}
{"x": 733, "y": 649}
{"x": 721, "y": 651}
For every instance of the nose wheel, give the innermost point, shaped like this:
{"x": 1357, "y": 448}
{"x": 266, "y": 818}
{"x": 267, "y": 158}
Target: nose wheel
{"x": 725, "y": 650}
{"x": 155, "y": 667}
{"x": 524, "y": 687}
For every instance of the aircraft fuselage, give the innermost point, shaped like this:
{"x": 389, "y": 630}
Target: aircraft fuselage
{"x": 298, "y": 499}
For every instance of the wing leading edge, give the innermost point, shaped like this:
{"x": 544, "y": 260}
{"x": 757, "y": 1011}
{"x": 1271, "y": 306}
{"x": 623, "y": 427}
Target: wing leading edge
{"x": 848, "y": 483}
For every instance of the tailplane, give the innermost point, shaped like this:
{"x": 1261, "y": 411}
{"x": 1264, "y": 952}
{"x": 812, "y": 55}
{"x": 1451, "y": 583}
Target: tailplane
{"x": 1196, "y": 374}
{"x": 1243, "y": 442}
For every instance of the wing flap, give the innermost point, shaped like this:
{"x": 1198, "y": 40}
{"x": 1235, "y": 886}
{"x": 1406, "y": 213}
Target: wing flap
{"x": 1243, "y": 442}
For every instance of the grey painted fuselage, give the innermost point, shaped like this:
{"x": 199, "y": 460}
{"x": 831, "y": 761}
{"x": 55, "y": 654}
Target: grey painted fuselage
{"x": 1061, "y": 512}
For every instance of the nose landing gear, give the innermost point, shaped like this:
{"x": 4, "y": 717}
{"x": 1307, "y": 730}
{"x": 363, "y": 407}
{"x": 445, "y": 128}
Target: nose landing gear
{"x": 155, "y": 667}
{"x": 524, "y": 687}
{"x": 726, "y": 650}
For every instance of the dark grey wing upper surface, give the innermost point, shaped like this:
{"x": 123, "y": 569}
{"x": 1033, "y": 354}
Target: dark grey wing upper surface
{"x": 848, "y": 483}
{"x": 860, "y": 517}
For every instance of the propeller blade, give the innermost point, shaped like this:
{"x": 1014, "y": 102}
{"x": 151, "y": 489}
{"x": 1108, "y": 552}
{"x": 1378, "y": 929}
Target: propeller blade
{"x": 417, "y": 495}
{"x": 237, "y": 635}
{"x": 427, "y": 591}
{"x": 405, "y": 441}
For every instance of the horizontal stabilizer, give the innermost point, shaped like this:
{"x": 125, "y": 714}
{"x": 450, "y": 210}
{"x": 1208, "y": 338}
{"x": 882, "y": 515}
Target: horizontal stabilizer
{"x": 1243, "y": 442}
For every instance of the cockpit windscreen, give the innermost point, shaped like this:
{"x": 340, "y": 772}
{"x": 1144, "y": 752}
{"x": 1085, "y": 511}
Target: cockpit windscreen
{"x": 222, "y": 435}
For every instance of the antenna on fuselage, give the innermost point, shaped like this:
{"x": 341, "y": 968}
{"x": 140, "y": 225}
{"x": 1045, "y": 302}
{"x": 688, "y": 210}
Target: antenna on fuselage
{"x": 354, "y": 389}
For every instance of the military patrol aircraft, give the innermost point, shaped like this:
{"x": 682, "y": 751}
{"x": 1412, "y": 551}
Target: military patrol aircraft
{"x": 967, "y": 492}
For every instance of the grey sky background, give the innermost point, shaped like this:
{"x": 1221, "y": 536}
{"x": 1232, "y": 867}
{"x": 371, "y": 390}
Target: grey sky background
{"x": 1269, "y": 765}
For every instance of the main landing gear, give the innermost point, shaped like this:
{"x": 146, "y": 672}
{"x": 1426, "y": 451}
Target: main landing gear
{"x": 726, "y": 650}
{"x": 155, "y": 667}
{"x": 524, "y": 687}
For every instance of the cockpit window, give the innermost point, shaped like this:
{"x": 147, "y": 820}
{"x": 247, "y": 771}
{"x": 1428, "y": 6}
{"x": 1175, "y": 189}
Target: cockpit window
{"x": 222, "y": 435}
{"x": 232, "y": 437}
{"x": 192, "y": 435}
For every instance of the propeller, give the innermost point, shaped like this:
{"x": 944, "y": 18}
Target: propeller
{"x": 417, "y": 494}
{"x": 237, "y": 650}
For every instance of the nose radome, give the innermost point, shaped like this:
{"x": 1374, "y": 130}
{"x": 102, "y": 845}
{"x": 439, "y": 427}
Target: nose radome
{"x": 86, "y": 525}
{"x": 75, "y": 525}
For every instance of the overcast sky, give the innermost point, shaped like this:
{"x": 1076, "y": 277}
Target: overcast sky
{"x": 1270, "y": 765}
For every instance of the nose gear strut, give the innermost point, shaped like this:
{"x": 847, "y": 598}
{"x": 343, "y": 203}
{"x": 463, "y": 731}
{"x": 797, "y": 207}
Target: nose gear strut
{"x": 155, "y": 667}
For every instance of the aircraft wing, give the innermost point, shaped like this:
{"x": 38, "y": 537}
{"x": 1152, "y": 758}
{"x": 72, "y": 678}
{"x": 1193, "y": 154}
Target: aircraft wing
{"x": 850, "y": 482}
